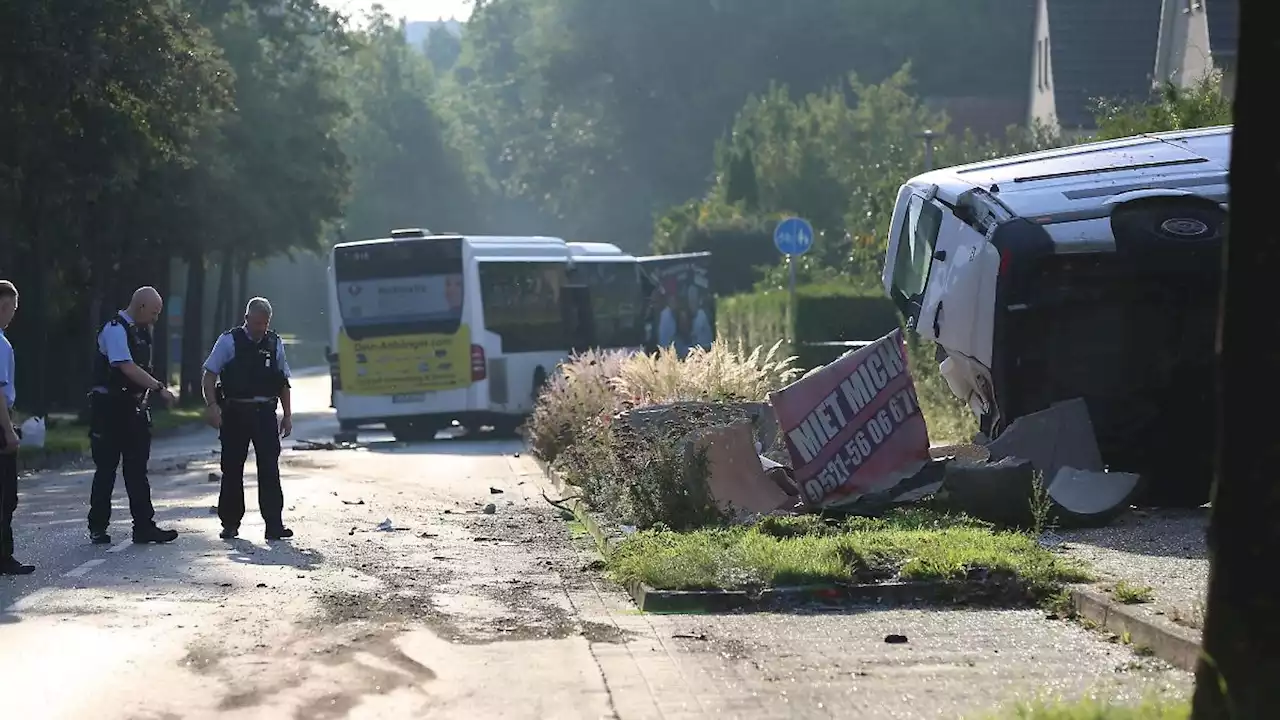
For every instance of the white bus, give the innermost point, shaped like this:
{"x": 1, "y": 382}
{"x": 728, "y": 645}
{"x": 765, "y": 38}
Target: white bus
{"x": 1089, "y": 271}
{"x": 428, "y": 330}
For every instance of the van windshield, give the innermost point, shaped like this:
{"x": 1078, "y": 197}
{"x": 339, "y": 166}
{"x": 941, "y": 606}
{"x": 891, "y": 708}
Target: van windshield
{"x": 915, "y": 253}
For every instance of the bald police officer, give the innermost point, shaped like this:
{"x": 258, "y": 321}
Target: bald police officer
{"x": 120, "y": 418}
{"x": 245, "y": 377}
{"x": 9, "y": 442}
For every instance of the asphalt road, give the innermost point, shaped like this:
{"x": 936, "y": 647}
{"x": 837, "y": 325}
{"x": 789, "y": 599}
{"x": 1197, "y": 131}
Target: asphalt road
{"x": 403, "y": 597}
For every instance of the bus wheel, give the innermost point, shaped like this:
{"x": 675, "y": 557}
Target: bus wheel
{"x": 539, "y": 380}
{"x": 508, "y": 426}
{"x": 414, "y": 430}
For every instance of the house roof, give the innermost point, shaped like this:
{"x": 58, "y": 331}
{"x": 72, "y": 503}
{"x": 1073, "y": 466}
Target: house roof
{"x": 1224, "y": 27}
{"x": 1100, "y": 49}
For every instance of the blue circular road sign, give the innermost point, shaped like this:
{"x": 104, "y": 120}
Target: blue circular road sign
{"x": 793, "y": 236}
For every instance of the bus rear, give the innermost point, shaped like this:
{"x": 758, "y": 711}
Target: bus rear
{"x": 401, "y": 322}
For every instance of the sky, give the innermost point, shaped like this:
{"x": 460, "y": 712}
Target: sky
{"x": 409, "y": 9}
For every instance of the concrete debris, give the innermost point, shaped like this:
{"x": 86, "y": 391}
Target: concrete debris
{"x": 303, "y": 444}
{"x": 490, "y": 509}
{"x": 736, "y": 478}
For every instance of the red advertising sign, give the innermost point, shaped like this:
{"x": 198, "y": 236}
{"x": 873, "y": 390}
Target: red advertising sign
{"x": 854, "y": 427}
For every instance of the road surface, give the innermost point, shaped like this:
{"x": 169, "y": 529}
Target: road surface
{"x": 454, "y": 612}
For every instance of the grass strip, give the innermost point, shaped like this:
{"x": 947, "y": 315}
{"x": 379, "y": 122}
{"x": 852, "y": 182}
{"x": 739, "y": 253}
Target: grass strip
{"x": 906, "y": 545}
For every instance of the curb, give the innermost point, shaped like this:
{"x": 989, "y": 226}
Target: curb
{"x": 648, "y": 599}
{"x": 652, "y": 600}
{"x": 43, "y": 461}
{"x": 1173, "y": 644}
{"x": 579, "y": 509}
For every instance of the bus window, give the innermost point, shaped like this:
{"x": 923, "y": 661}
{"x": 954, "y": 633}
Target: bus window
{"x": 617, "y": 297}
{"x": 522, "y": 304}
{"x": 401, "y": 287}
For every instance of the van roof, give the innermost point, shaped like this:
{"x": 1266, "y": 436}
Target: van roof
{"x": 1084, "y": 176}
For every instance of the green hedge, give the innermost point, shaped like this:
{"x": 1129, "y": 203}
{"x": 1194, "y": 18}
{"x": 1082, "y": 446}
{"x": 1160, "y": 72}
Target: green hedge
{"x": 824, "y": 313}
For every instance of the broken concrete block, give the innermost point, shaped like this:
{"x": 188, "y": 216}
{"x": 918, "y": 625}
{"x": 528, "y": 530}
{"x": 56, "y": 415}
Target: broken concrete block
{"x": 999, "y": 492}
{"x": 1060, "y": 436}
{"x": 735, "y": 476}
{"x": 656, "y": 417}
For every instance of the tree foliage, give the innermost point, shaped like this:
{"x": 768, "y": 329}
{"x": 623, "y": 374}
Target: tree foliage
{"x": 1171, "y": 108}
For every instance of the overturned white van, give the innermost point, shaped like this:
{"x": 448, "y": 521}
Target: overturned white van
{"x": 1090, "y": 271}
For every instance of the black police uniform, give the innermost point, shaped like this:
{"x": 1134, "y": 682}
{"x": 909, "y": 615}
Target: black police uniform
{"x": 249, "y": 388}
{"x": 120, "y": 436}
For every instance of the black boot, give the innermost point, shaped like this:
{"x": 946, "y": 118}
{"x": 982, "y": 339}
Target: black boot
{"x": 279, "y": 533}
{"x": 153, "y": 534}
{"x": 9, "y": 566}
{"x": 229, "y": 533}
{"x": 99, "y": 537}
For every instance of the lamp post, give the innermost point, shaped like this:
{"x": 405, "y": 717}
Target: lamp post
{"x": 927, "y": 136}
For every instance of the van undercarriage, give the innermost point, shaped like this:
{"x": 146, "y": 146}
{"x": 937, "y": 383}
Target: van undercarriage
{"x": 1131, "y": 331}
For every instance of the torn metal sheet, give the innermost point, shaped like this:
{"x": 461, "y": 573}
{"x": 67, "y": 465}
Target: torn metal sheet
{"x": 1060, "y": 436}
{"x": 1005, "y": 492}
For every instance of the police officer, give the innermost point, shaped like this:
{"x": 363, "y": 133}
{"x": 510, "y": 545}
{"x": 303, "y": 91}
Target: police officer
{"x": 245, "y": 376}
{"x": 9, "y": 441}
{"x": 120, "y": 418}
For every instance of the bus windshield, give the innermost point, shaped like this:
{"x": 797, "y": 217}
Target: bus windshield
{"x": 400, "y": 286}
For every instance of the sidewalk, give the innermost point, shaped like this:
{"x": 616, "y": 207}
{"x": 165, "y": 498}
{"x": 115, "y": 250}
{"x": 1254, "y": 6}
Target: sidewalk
{"x": 1163, "y": 550}
{"x": 954, "y": 663}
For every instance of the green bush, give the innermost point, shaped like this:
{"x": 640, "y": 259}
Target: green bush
{"x": 646, "y": 478}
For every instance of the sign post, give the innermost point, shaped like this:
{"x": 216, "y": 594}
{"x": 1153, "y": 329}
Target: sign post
{"x": 793, "y": 237}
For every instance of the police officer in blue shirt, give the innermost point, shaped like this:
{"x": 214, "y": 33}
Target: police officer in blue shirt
{"x": 9, "y": 442}
{"x": 120, "y": 419}
{"x": 245, "y": 376}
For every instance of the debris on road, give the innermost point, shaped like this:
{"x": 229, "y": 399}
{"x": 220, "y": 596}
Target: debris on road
{"x": 495, "y": 491}
{"x": 302, "y": 444}
{"x": 215, "y": 477}
{"x": 490, "y": 509}
{"x": 353, "y": 502}
{"x": 893, "y": 639}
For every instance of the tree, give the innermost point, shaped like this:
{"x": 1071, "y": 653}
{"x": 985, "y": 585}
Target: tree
{"x": 1236, "y": 675}
{"x": 408, "y": 168}
{"x": 95, "y": 96}
{"x": 1170, "y": 108}
{"x": 442, "y": 48}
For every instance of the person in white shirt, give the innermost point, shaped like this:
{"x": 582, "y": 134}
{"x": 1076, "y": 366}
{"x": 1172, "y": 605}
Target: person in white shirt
{"x": 9, "y": 441}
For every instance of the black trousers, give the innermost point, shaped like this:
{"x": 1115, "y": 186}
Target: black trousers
{"x": 8, "y": 499}
{"x": 120, "y": 437}
{"x": 244, "y": 423}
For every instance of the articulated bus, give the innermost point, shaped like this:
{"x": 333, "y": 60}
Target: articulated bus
{"x": 431, "y": 330}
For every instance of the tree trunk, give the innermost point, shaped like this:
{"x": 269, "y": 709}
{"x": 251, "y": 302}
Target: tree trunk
{"x": 1240, "y": 662}
{"x": 163, "y": 272}
{"x": 193, "y": 350}
{"x": 242, "y": 278}
{"x": 226, "y": 289}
